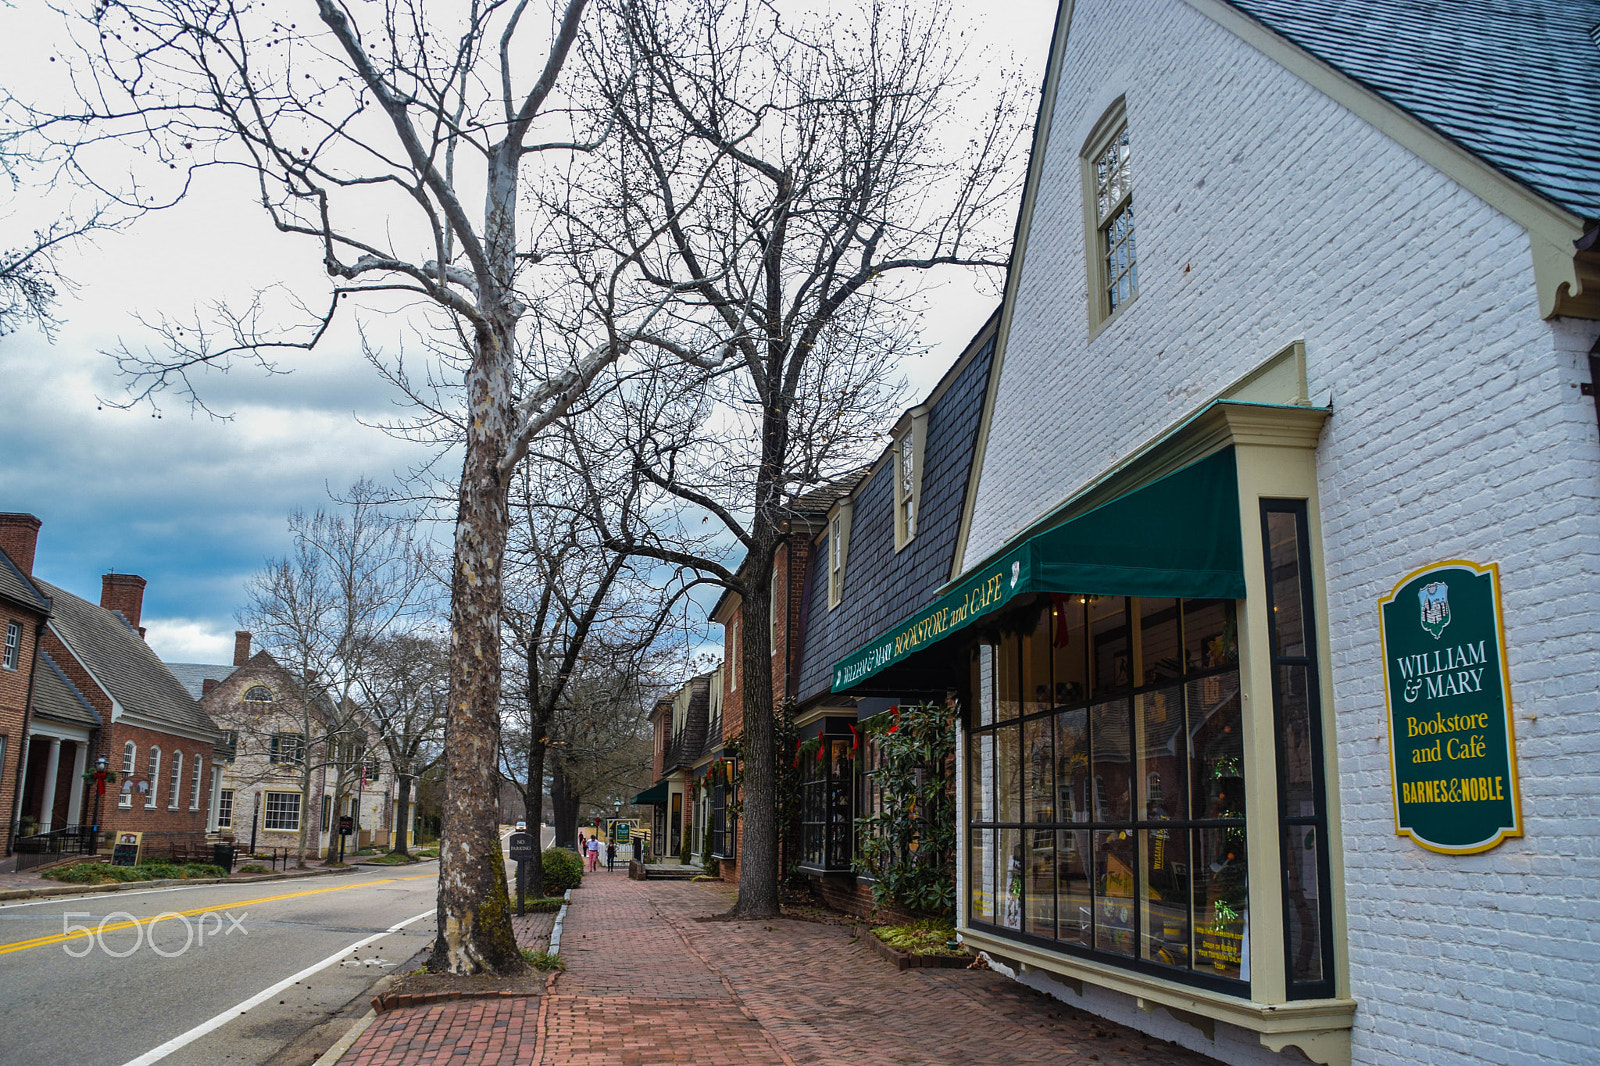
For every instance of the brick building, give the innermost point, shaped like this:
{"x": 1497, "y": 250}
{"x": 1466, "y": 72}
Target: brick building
{"x": 1333, "y": 402}
{"x": 24, "y": 610}
{"x": 97, "y": 691}
{"x": 260, "y": 800}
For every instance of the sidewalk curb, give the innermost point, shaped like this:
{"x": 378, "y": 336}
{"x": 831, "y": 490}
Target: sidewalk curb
{"x": 162, "y": 882}
{"x": 347, "y": 1041}
{"x": 555, "y": 930}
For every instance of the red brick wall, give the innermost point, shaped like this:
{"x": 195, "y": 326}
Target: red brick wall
{"x": 13, "y": 705}
{"x": 162, "y": 819}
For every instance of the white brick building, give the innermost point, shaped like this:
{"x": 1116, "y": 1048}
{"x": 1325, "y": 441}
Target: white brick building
{"x": 1365, "y": 281}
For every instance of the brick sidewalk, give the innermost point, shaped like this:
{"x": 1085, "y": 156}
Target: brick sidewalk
{"x": 646, "y": 984}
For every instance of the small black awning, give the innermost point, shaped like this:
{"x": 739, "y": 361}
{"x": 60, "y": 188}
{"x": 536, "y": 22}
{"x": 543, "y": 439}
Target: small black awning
{"x": 655, "y": 795}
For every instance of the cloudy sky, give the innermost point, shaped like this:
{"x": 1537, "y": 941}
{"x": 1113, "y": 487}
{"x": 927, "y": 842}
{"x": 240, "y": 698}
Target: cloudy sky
{"x": 195, "y": 505}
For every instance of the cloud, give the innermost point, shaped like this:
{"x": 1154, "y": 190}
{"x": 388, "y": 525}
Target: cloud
{"x": 189, "y": 640}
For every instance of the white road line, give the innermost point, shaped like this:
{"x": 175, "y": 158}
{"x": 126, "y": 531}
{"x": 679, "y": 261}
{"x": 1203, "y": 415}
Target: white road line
{"x": 159, "y": 1053}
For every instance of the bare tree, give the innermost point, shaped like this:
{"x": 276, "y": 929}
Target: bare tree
{"x": 802, "y": 168}
{"x": 369, "y": 130}
{"x": 353, "y": 577}
{"x": 405, "y": 691}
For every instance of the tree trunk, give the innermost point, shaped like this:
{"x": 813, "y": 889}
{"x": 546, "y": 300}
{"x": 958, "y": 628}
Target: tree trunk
{"x": 564, "y": 806}
{"x": 533, "y": 809}
{"x": 402, "y": 815}
{"x": 474, "y": 916}
{"x": 758, "y": 862}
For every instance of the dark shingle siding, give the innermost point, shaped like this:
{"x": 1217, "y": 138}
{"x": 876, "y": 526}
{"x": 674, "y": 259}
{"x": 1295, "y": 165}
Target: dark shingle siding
{"x": 880, "y": 585}
{"x": 1515, "y": 82}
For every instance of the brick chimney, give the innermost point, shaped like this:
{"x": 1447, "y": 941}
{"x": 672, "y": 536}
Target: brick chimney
{"x": 241, "y": 647}
{"x": 123, "y": 593}
{"x": 207, "y": 685}
{"x": 19, "y": 536}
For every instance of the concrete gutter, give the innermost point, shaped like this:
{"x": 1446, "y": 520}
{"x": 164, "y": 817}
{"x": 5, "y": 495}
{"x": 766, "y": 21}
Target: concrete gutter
{"x": 120, "y": 886}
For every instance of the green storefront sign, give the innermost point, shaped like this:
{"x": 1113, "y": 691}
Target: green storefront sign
{"x": 1451, "y": 747}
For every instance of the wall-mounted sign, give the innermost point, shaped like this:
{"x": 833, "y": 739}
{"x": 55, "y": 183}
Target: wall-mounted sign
{"x": 1451, "y": 748}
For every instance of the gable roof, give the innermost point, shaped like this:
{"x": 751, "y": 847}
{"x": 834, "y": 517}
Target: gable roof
{"x": 1514, "y": 82}
{"x": 15, "y": 586}
{"x": 122, "y": 663}
{"x": 193, "y": 676}
{"x": 57, "y": 698}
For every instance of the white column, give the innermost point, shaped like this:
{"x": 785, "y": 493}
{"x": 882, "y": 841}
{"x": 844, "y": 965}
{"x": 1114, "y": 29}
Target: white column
{"x": 80, "y": 765}
{"x": 47, "y": 804}
{"x": 216, "y": 799}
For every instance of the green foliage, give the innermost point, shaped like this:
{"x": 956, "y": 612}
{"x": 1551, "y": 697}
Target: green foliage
{"x": 562, "y": 870}
{"x": 708, "y": 862}
{"x": 684, "y": 851}
{"x": 254, "y": 868}
{"x": 543, "y": 904}
{"x": 543, "y": 960}
{"x": 926, "y": 936}
{"x": 97, "y": 873}
{"x": 910, "y": 844}
{"x": 394, "y": 858}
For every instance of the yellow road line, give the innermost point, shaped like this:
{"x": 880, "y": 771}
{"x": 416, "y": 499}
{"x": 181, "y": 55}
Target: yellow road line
{"x": 61, "y": 938}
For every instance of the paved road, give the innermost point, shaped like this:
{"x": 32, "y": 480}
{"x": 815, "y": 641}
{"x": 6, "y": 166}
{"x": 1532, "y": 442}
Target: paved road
{"x": 201, "y": 988}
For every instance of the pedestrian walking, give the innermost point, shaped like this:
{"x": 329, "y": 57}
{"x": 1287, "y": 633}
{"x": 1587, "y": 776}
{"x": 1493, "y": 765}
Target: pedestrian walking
{"x": 594, "y": 854}
{"x": 611, "y": 856}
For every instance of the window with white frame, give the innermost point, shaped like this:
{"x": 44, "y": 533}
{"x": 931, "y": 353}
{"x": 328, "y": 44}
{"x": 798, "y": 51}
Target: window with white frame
{"x": 287, "y": 749}
{"x": 733, "y": 655}
{"x": 905, "y": 488}
{"x": 772, "y": 609}
{"x": 282, "y": 811}
{"x": 130, "y": 756}
{"x": 13, "y": 645}
{"x": 154, "y": 775}
{"x": 175, "y": 786}
{"x": 225, "y": 809}
{"x": 838, "y": 548}
{"x": 1108, "y": 210}
{"x": 194, "y": 783}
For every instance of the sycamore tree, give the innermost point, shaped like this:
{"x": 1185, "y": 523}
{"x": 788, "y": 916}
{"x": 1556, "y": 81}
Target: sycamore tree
{"x": 809, "y": 170}
{"x": 397, "y": 142}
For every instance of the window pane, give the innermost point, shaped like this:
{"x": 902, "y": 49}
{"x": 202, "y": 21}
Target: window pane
{"x": 1210, "y": 634}
{"x": 1158, "y": 631}
{"x": 980, "y": 776}
{"x": 1038, "y": 764}
{"x": 1009, "y": 906}
{"x": 1295, "y": 755}
{"x": 1221, "y": 900}
{"x": 1166, "y": 896}
{"x": 1073, "y": 798}
{"x": 1007, "y": 683}
{"x": 1036, "y": 666}
{"x": 980, "y": 875}
{"x": 983, "y": 682}
{"x": 1283, "y": 547}
{"x": 1114, "y": 865}
{"x": 1008, "y": 773}
{"x": 1112, "y": 766}
{"x": 1070, "y": 670}
{"x": 1110, "y": 655}
{"x": 1300, "y": 903}
{"x": 1216, "y": 747}
{"x": 1162, "y": 755}
{"x": 1041, "y": 882}
{"x": 1075, "y": 903}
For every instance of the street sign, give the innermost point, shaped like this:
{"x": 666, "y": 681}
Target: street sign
{"x": 622, "y": 832}
{"x": 347, "y": 825}
{"x": 1451, "y": 749}
{"x": 521, "y": 846}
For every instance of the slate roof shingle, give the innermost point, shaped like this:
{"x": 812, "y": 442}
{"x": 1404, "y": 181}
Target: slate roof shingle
{"x": 121, "y": 661}
{"x": 193, "y": 676}
{"x": 1515, "y": 82}
{"x": 57, "y": 698}
{"x": 15, "y": 586}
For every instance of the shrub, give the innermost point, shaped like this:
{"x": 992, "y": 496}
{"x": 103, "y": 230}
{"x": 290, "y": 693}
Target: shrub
{"x": 95, "y": 873}
{"x": 922, "y": 937}
{"x": 254, "y": 868}
{"x": 562, "y": 870}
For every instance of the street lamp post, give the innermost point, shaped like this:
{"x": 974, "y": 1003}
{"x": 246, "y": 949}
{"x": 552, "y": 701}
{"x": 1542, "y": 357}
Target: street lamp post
{"x": 100, "y": 765}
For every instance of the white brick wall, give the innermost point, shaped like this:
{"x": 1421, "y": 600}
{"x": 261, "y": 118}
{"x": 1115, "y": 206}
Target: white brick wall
{"x": 1267, "y": 213}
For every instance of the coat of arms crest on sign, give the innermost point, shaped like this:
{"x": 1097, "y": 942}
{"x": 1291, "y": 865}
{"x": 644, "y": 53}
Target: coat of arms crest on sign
{"x": 1435, "y": 597}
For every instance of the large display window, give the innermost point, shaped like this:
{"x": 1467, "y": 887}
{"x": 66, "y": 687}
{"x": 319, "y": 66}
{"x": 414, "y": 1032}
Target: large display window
{"x": 1105, "y": 784}
{"x": 827, "y": 811}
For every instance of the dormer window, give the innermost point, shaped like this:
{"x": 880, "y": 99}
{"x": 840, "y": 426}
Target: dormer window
{"x": 907, "y": 460}
{"x": 838, "y": 548}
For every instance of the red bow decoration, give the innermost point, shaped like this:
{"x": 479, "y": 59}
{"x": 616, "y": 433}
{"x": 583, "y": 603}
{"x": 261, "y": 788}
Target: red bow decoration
{"x": 855, "y": 737}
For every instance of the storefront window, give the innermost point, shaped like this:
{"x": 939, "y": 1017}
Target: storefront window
{"x": 1115, "y": 824}
{"x": 827, "y": 810}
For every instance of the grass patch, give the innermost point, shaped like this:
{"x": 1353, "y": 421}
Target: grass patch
{"x": 926, "y": 936}
{"x": 703, "y": 877}
{"x": 543, "y": 904}
{"x": 393, "y": 858}
{"x": 99, "y": 873}
{"x": 428, "y": 853}
{"x": 543, "y": 960}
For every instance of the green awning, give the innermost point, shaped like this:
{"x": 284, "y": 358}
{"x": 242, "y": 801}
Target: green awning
{"x": 1177, "y": 536}
{"x": 656, "y": 794}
